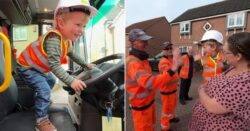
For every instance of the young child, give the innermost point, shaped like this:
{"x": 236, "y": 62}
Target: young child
{"x": 50, "y": 51}
{"x": 212, "y": 60}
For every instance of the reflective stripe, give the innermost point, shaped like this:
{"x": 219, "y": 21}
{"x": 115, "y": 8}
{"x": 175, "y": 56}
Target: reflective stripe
{"x": 211, "y": 71}
{"x": 215, "y": 64}
{"x": 207, "y": 69}
{"x": 131, "y": 82}
{"x": 39, "y": 54}
{"x": 139, "y": 95}
{"x": 149, "y": 84}
{"x": 142, "y": 95}
{"x": 139, "y": 74}
{"x": 31, "y": 63}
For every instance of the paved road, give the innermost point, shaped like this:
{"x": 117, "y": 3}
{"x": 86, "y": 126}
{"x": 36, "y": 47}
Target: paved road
{"x": 183, "y": 111}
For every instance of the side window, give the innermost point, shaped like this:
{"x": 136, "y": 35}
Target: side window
{"x": 104, "y": 38}
{"x": 183, "y": 49}
{"x": 46, "y": 28}
{"x": 79, "y": 48}
{"x": 23, "y": 35}
{"x": 185, "y": 27}
{"x": 236, "y": 20}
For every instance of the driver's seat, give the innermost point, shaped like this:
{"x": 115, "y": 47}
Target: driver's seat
{"x": 14, "y": 120}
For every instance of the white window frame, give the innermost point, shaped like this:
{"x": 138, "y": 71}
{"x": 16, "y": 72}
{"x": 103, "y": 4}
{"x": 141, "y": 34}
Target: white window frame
{"x": 183, "y": 25}
{"x": 183, "y": 49}
{"x": 234, "y": 16}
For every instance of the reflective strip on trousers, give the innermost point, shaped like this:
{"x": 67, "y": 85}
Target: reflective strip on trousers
{"x": 164, "y": 127}
{"x": 169, "y": 115}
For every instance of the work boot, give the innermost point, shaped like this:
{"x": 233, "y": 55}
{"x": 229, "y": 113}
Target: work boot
{"x": 45, "y": 125}
{"x": 189, "y": 98}
{"x": 182, "y": 102}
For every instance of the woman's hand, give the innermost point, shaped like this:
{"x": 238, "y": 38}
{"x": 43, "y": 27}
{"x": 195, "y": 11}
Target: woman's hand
{"x": 177, "y": 62}
{"x": 210, "y": 104}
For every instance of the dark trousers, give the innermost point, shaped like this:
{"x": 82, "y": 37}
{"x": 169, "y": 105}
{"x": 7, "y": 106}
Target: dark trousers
{"x": 184, "y": 88}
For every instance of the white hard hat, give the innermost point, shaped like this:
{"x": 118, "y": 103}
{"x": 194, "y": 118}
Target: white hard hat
{"x": 75, "y": 3}
{"x": 212, "y": 35}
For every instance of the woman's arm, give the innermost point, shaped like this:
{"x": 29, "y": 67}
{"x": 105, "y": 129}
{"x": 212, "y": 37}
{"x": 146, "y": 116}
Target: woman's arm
{"x": 211, "y": 104}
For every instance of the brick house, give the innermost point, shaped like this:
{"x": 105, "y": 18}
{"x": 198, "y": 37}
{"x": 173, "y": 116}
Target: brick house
{"x": 159, "y": 28}
{"x": 228, "y": 17}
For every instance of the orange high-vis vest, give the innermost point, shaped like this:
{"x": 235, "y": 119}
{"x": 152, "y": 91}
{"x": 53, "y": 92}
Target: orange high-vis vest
{"x": 35, "y": 56}
{"x": 140, "y": 83}
{"x": 185, "y": 67}
{"x": 212, "y": 67}
{"x": 164, "y": 65}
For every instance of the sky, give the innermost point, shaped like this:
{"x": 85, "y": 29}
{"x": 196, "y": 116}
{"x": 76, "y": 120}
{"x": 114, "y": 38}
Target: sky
{"x": 141, "y": 10}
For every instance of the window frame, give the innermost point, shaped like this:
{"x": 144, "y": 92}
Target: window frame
{"x": 235, "y": 17}
{"x": 181, "y": 48}
{"x": 183, "y": 25}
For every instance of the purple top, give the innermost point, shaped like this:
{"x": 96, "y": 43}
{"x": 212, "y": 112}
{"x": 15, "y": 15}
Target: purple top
{"x": 233, "y": 93}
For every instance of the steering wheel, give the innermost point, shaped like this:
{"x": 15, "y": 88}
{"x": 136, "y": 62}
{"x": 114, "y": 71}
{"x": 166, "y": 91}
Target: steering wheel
{"x": 104, "y": 74}
{"x": 94, "y": 76}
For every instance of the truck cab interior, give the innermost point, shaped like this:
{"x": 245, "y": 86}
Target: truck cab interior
{"x": 85, "y": 110}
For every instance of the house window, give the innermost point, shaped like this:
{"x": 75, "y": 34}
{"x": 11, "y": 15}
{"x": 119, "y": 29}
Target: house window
{"x": 185, "y": 27}
{"x": 183, "y": 49}
{"x": 236, "y": 20}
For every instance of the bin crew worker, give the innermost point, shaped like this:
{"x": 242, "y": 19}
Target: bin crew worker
{"x": 186, "y": 74}
{"x": 141, "y": 85}
{"x": 169, "y": 90}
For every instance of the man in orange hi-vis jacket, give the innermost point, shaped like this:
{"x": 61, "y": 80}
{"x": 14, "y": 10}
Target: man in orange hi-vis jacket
{"x": 141, "y": 85}
{"x": 186, "y": 74}
{"x": 169, "y": 90}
